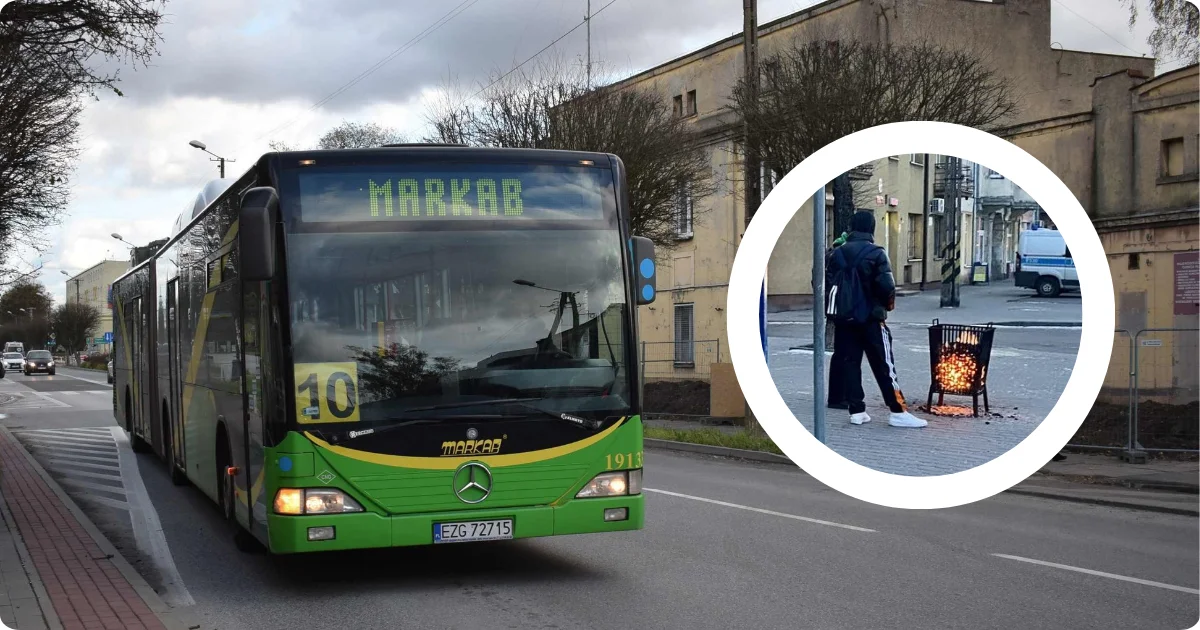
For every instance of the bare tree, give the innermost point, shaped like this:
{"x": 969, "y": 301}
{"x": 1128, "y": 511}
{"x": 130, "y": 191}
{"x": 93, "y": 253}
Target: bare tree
{"x": 816, "y": 91}
{"x": 72, "y": 323}
{"x": 52, "y": 53}
{"x": 350, "y": 135}
{"x": 1176, "y": 34}
{"x": 552, "y": 107}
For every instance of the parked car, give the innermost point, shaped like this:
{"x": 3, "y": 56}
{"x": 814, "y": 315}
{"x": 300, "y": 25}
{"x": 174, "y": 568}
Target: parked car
{"x": 13, "y": 361}
{"x": 111, "y": 375}
{"x": 39, "y": 361}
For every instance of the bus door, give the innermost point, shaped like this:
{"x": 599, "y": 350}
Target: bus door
{"x": 133, "y": 398}
{"x": 175, "y": 413}
{"x": 255, "y": 373}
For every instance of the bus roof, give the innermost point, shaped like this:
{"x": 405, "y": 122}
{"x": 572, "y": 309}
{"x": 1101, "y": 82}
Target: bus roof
{"x": 443, "y": 151}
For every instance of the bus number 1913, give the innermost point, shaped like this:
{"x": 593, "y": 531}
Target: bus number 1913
{"x": 618, "y": 461}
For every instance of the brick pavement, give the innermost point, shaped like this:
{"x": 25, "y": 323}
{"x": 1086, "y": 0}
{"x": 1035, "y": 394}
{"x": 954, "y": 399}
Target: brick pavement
{"x": 84, "y": 586}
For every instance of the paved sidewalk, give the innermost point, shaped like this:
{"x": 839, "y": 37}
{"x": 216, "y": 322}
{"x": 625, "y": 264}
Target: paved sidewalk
{"x": 81, "y": 583}
{"x": 1035, "y": 347}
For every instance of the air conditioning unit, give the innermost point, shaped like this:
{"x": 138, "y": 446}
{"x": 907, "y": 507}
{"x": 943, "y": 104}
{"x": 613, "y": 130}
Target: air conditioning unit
{"x": 937, "y": 206}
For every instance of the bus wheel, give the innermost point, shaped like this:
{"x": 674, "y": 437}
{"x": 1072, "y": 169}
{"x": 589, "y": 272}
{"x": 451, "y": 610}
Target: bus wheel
{"x": 1048, "y": 286}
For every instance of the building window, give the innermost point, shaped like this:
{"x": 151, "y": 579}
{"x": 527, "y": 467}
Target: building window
{"x": 917, "y": 158}
{"x": 683, "y": 214}
{"x": 914, "y": 236}
{"x": 1135, "y": 261}
{"x": 1172, "y": 157}
{"x": 678, "y": 106}
{"x": 685, "y": 351}
{"x": 691, "y": 103}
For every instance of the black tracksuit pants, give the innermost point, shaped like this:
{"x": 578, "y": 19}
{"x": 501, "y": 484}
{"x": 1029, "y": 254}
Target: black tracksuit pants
{"x": 873, "y": 339}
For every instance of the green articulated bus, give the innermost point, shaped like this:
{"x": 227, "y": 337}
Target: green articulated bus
{"x": 405, "y": 345}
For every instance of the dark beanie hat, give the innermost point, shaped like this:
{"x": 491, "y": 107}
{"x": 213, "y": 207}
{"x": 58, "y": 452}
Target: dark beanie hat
{"x": 863, "y": 221}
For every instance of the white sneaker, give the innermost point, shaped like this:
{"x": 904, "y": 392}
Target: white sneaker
{"x": 859, "y": 418}
{"x": 905, "y": 419}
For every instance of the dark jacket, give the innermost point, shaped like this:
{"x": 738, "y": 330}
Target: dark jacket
{"x": 874, "y": 270}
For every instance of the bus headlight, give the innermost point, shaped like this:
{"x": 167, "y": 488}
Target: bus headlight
{"x": 297, "y": 501}
{"x": 613, "y": 484}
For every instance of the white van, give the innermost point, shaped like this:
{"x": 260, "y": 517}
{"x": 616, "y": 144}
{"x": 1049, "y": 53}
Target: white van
{"x": 1044, "y": 263}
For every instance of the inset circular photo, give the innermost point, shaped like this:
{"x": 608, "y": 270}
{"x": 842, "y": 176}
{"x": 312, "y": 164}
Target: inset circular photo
{"x": 941, "y": 339}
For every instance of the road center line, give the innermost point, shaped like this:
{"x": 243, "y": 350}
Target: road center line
{"x": 1124, "y": 578}
{"x": 760, "y": 510}
{"x": 87, "y": 380}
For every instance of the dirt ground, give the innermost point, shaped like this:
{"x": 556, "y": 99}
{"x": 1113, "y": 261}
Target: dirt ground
{"x": 1159, "y": 426}
{"x": 689, "y": 398}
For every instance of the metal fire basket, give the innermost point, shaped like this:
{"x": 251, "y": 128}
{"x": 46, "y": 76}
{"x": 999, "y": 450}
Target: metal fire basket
{"x": 958, "y": 362}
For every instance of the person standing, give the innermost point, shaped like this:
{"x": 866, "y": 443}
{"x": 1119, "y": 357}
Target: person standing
{"x": 862, "y": 291}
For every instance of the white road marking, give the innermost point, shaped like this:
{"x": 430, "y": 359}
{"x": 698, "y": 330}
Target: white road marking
{"x": 86, "y": 380}
{"x": 1114, "y": 576}
{"x": 760, "y": 510}
{"x": 73, "y": 440}
{"x": 100, "y": 487}
{"x": 147, "y": 529}
{"x": 87, "y": 474}
{"x": 110, "y": 462}
{"x": 113, "y": 467}
{"x": 113, "y": 503}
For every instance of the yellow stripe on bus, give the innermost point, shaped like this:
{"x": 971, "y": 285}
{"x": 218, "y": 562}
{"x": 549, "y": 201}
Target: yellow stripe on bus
{"x": 450, "y": 463}
{"x": 201, "y": 335}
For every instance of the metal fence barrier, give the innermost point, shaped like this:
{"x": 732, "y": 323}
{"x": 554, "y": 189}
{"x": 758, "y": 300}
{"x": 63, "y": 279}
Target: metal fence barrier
{"x": 676, "y": 377}
{"x": 1157, "y": 407}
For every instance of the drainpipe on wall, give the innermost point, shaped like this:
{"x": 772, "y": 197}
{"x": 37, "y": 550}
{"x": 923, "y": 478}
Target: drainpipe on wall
{"x": 925, "y": 220}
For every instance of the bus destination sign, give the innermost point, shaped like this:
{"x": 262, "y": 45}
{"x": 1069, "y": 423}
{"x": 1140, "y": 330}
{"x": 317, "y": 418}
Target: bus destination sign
{"x": 404, "y": 193}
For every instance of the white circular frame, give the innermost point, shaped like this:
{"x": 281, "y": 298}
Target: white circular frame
{"x": 902, "y": 491}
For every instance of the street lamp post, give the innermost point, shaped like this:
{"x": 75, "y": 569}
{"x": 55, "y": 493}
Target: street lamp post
{"x": 76, "y": 281}
{"x": 216, "y": 158}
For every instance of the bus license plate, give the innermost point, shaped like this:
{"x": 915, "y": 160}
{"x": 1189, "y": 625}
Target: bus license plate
{"x": 472, "y": 531}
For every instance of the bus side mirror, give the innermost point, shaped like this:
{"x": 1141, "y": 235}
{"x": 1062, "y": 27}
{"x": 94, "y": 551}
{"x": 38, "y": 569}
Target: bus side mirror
{"x": 256, "y": 231}
{"x": 644, "y": 269}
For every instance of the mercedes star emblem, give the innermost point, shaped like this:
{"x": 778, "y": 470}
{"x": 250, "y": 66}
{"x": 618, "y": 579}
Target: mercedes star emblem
{"x": 472, "y": 482}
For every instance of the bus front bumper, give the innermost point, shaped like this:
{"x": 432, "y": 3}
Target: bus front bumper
{"x": 368, "y": 530}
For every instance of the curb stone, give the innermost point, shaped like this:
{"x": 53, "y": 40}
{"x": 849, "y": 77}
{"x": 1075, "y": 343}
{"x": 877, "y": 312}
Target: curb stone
{"x": 173, "y": 619}
{"x": 720, "y": 451}
{"x": 771, "y": 458}
{"x": 1144, "y": 507}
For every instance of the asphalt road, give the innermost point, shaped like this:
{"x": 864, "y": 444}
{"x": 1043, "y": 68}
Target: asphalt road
{"x": 725, "y": 545}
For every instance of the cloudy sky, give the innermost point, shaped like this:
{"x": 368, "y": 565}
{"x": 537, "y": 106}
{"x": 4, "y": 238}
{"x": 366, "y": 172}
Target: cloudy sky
{"x": 236, "y": 74}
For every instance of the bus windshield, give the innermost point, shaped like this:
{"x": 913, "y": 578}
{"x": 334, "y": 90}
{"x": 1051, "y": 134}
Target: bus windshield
{"x": 436, "y": 321}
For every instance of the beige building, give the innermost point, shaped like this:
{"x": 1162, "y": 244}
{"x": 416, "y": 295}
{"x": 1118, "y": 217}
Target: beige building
{"x": 1013, "y": 35}
{"x": 1131, "y": 159}
{"x": 91, "y": 286}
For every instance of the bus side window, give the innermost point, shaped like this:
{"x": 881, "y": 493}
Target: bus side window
{"x": 1068, "y": 254}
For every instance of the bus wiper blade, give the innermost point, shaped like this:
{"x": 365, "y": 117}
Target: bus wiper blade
{"x": 354, "y": 435}
{"x": 522, "y": 403}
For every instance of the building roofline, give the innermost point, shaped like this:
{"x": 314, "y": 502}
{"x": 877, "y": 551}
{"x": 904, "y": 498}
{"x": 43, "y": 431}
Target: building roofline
{"x": 1104, "y": 54}
{"x": 736, "y": 39}
{"x": 124, "y": 262}
{"x": 1166, "y": 77}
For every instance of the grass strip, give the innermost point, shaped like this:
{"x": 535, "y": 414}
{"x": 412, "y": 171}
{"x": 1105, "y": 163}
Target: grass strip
{"x": 712, "y": 437}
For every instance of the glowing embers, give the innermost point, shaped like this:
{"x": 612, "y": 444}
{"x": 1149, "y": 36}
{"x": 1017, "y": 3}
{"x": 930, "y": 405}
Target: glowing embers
{"x": 958, "y": 362}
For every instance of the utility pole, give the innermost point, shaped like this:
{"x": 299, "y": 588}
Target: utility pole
{"x": 951, "y": 264}
{"x": 588, "y": 20}
{"x": 751, "y": 175}
{"x": 750, "y": 51}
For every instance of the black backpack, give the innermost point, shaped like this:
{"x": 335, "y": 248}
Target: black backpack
{"x": 846, "y": 298}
